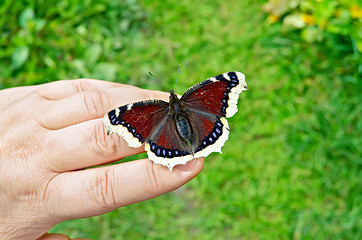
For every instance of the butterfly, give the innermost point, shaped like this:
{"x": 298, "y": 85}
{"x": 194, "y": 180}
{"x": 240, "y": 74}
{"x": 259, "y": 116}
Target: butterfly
{"x": 182, "y": 129}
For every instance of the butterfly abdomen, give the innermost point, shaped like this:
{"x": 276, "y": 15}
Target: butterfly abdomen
{"x": 183, "y": 128}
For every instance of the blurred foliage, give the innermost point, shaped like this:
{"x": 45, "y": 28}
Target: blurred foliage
{"x": 47, "y": 40}
{"x": 316, "y": 19}
{"x": 292, "y": 166}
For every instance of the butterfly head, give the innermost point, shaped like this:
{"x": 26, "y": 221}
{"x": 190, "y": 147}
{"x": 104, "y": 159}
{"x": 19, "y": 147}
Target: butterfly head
{"x": 173, "y": 97}
{"x": 173, "y": 94}
{"x": 175, "y": 103}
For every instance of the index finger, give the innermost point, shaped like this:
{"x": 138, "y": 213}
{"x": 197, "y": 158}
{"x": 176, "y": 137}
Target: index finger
{"x": 65, "y": 88}
{"x": 90, "y": 105}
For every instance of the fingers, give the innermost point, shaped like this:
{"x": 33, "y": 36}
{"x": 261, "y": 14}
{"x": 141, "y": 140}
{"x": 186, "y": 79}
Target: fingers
{"x": 99, "y": 190}
{"x": 55, "y": 90}
{"x": 32, "y": 100}
{"x": 89, "y": 105}
{"x": 84, "y": 145}
{"x": 65, "y": 88}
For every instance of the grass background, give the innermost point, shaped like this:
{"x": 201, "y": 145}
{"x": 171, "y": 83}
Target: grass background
{"x": 292, "y": 166}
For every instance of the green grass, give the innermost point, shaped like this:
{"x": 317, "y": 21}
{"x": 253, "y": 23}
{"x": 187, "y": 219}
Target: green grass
{"x": 292, "y": 166}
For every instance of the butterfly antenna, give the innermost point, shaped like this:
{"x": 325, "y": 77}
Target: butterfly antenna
{"x": 152, "y": 75}
{"x": 157, "y": 81}
{"x": 178, "y": 72}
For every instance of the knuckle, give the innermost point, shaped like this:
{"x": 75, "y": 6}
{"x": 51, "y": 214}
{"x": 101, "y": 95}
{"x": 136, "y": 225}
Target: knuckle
{"x": 102, "y": 191}
{"x": 100, "y": 143}
{"x": 96, "y": 103}
{"x": 81, "y": 85}
{"x": 37, "y": 95}
{"x": 152, "y": 172}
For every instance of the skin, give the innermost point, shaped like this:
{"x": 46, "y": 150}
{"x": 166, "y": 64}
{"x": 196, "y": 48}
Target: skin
{"x": 49, "y": 135}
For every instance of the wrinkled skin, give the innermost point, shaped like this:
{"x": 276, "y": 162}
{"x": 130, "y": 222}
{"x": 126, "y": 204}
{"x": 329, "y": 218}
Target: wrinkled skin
{"x": 49, "y": 135}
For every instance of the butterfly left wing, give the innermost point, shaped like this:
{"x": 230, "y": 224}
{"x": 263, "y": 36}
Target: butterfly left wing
{"x": 136, "y": 121}
{"x": 208, "y": 104}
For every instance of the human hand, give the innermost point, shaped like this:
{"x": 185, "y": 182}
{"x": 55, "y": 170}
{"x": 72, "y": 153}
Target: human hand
{"x": 49, "y": 135}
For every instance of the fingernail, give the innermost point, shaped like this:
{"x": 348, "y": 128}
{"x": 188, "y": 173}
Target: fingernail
{"x": 188, "y": 167}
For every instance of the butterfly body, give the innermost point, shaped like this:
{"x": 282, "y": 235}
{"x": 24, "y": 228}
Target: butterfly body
{"x": 182, "y": 129}
{"x": 179, "y": 116}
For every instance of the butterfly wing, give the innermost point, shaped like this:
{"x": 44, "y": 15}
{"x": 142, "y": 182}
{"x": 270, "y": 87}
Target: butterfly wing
{"x": 136, "y": 121}
{"x": 217, "y": 95}
{"x": 208, "y": 105}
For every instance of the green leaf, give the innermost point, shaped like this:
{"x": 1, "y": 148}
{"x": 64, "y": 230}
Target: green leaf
{"x": 39, "y": 24}
{"x": 312, "y": 34}
{"x": 105, "y": 71}
{"x": 92, "y": 54}
{"x": 19, "y": 56}
{"x": 26, "y": 16}
{"x": 79, "y": 67}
